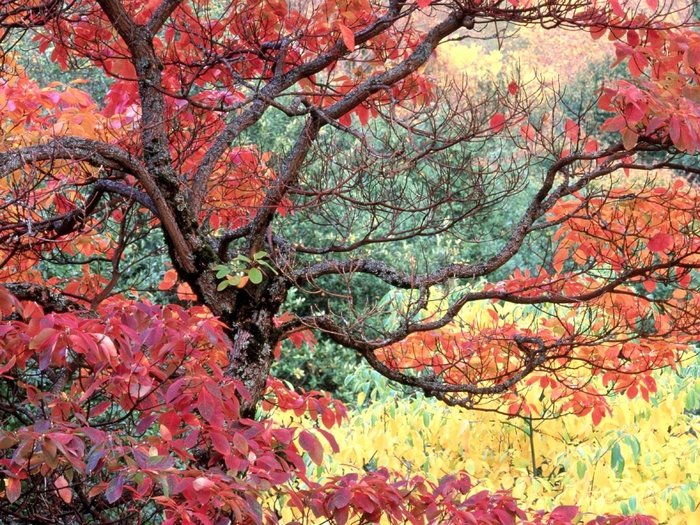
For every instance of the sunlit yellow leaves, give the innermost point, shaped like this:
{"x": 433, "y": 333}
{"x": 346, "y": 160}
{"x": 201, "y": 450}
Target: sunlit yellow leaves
{"x": 471, "y": 60}
{"x": 642, "y": 460}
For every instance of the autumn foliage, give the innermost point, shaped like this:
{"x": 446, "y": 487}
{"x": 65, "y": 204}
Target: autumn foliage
{"x": 118, "y": 409}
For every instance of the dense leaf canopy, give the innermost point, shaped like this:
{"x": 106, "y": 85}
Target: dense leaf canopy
{"x": 119, "y": 407}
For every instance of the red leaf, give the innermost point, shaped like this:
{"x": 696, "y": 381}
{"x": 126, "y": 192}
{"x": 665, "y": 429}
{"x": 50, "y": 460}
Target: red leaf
{"x": 423, "y": 3}
{"x": 208, "y": 410}
{"x": 312, "y": 445}
{"x": 362, "y": 113}
{"x": 165, "y": 433}
{"x": 692, "y": 56}
{"x": 497, "y": 122}
{"x": 591, "y": 146}
{"x": 513, "y": 88}
{"x": 614, "y": 123}
{"x": 327, "y": 417}
{"x": 649, "y": 285}
{"x": 567, "y": 512}
{"x": 240, "y": 443}
{"x": 221, "y": 443}
{"x": 331, "y": 440}
{"x": 365, "y": 502}
{"x": 340, "y": 499}
{"x": 7, "y": 302}
{"x": 174, "y": 390}
{"x": 660, "y": 242}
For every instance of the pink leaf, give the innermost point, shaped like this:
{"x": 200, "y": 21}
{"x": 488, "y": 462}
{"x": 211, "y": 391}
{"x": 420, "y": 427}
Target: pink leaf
{"x": 202, "y": 483}
{"x": 63, "y": 490}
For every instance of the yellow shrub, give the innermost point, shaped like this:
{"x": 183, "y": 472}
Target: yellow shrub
{"x": 644, "y": 459}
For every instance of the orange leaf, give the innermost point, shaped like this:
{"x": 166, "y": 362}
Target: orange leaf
{"x": 572, "y": 130}
{"x": 165, "y": 433}
{"x": 185, "y": 293}
{"x": 527, "y": 132}
{"x": 169, "y": 280}
{"x": 629, "y": 138}
{"x": 13, "y": 489}
{"x": 348, "y": 36}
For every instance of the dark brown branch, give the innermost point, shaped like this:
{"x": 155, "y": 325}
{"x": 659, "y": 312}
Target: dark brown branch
{"x": 277, "y": 85}
{"x": 161, "y": 15}
{"x": 50, "y": 300}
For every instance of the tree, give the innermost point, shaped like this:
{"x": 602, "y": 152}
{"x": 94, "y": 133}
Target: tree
{"x": 116, "y": 409}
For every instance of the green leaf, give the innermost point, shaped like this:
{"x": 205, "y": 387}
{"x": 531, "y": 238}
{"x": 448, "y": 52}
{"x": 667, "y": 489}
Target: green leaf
{"x": 222, "y": 273}
{"x": 259, "y": 255}
{"x": 617, "y": 462}
{"x": 263, "y": 263}
{"x": 233, "y": 281}
{"x": 580, "y": 469}
{"x": 633, "y": 443}
{"x": 164, "y": 485}
{"x": 222, "y": 285}
{"x": 243, "y": 258}
{"x": 255, "y": 276}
